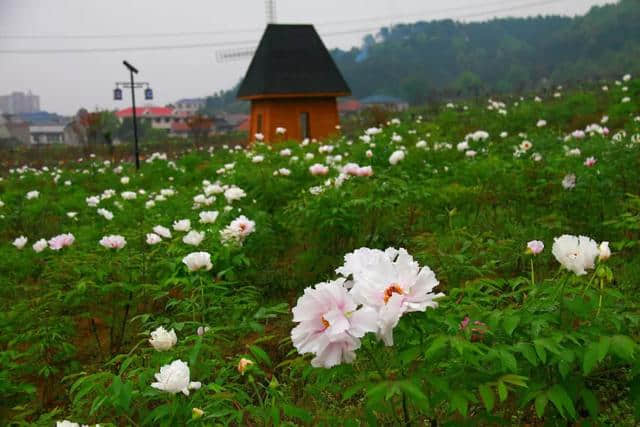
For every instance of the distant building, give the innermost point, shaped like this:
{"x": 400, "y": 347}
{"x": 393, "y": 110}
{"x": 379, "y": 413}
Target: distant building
{"x": 189, "y": 106}
{"x": 159, "y": 117}
{"x": 44, "y": 118}
{"x": 179, "y": 130}
{"x": 227, "y": 122}
{"x": 293, "y": 83}
{"x": 19, "y": 102}
{"x": 385, "y": 102}
{"x": 13, "y": 131}
{"x": 349, "y": 106}
{"x": 47, "y": 134}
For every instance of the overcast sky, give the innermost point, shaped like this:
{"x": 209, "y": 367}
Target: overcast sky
{"x": 68, "y": 81}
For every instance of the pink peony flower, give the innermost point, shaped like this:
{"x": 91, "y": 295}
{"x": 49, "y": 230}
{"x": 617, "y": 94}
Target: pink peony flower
{"x": 318, "y": 169}
{"x": 61, "y": 241}
{"x": 330, "y": 324}
{"x": 535, "y": 247}
{"x": 113, "y": 242}
{"x": 590, "y": 161}
{"x": 365, "y": 171}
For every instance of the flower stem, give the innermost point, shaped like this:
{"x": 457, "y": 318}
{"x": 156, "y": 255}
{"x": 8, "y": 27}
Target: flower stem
{"x": 600, "y": 299}
{"x": 533, "y": 280}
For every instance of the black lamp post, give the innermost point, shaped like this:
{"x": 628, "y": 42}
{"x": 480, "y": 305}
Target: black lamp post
{"x": 148, "y": 94}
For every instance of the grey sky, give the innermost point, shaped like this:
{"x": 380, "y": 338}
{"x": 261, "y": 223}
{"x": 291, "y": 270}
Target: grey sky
{"x": 68, "y": 81}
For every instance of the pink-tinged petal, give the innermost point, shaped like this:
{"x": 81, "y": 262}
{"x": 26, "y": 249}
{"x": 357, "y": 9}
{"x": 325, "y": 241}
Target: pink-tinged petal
{"x": 362, "y": 321}
{"x": 389, "y": 316}
{"x": 338, "y": 323}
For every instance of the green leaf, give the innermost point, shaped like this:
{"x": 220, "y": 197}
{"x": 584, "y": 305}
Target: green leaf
{"x": 591, "y": 357}
{"x": 518, "y": 380}
{"x": 603, "y": 348}
{"x": 541, "y": 404}
{"x": 561, "y": 400}
{"x": 502, "y": 391}
{"x": 260, "y": 354}
{"x": 528, "y": 352}
{"x": 508, "y": 361}
{"x": 195, "y": 351}
{"x": 542, "y": 353}
{"x": 377, "y": 392}
{"x": 351, "y": 391}
{"x": 437, "y": 344}
{"x": 510, "y": 323}
{"x": 459, "y": 403}
{"x": 295, "y": 412}
{"x": 590, "y": 401}
{"x": 487, "y": 396}
{"x": 623, "y": 347}
{"x": 415, "y": 394}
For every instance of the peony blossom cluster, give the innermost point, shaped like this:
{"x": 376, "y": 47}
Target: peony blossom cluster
{"x": 61, "y": 241}
{"x": 376, "y": 289}
{"x": 113, "y": 242}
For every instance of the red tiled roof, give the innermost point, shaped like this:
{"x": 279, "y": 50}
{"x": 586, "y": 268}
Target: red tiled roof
{"x": 349, "y": 105}
{"x": 146, "y": 111}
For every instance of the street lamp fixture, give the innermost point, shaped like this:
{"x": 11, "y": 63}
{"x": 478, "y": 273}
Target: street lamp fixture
{"x": 148, "y": 94}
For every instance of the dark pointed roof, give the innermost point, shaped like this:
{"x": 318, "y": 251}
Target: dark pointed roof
{"x": 291, "y": 59}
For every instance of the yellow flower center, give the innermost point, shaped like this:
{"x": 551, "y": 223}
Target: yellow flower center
{"x": 393, "y": 288}
{"x": 325, "y": 322}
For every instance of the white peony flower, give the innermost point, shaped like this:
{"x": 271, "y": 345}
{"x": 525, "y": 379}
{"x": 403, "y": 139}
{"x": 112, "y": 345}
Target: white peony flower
{"x": 569, "y": 182}
{"x": 175, "y": 378}
{"x": 40, "y": 245}
{"x": 237, "y": 230}
{"x": 153, "y": 239}
{"x": 396, "y": 157}
{"x": 33, "y": 195}
{"x": 392, "y": 283}
{"x": 20, "y": 242}
{"x": 208, "y": 217}
{"x": 182, "y": 225}
{"x": 604, "y": 253}
{"x": 197, "y": 261}
{"x": 128, "y": 195}
{"x": 193, "y": 238}
{"x": 234, "y": 193}
{"x": 163, "y": 340}
{"x": 162, "y": 231}
{"x": 576, "y": 254}
{"x": 108, "y": 215}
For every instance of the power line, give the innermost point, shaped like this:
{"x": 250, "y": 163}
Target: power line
{"x": 243, "y": 30}
{"x": 245, "y": 42}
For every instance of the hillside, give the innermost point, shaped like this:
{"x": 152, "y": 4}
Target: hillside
{"x": 444, "y": 58}
{"x": 427, "y": 61}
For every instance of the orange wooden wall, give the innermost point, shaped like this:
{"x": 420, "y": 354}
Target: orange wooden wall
{"x": 285, "y": 112}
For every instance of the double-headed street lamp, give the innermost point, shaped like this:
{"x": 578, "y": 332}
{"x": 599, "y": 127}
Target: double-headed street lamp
{"x": 148, "y": 94}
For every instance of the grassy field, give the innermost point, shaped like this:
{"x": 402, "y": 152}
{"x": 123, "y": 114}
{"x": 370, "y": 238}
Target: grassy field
{"x": 521, "y": 335}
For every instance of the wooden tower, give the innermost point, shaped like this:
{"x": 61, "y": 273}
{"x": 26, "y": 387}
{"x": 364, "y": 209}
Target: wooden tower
{"x": 293, "y": 83}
